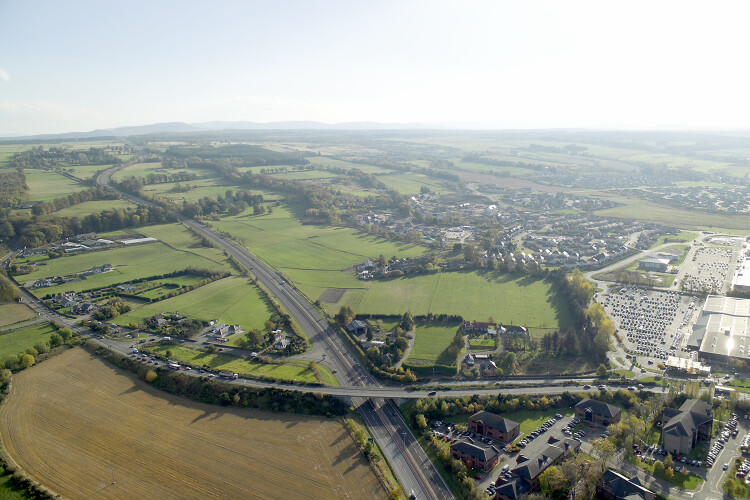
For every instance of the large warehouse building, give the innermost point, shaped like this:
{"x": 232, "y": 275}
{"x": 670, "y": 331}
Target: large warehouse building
{"x": 723, "y": 325}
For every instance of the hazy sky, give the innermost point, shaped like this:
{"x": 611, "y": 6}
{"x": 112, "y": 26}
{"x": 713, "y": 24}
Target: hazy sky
{"x": 79, "y": 65}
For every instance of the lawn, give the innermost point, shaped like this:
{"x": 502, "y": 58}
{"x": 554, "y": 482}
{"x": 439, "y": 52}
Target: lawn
{"x": 531, "y": 420}
{"x": 11, "y": 343}
{"x": 14, "y": 313}
{"x": 475, "y": 295}
{"x": 90, "y": 207}
{"x": 431, "y": 343}
{"x": 681, "y": 236}
{"x": 685, "y": 482}
{"x": 129, "y": 263}
{"x": 290, "y": 371}
{"x": 45, "y": 185}
{"x": 233, "y": 300}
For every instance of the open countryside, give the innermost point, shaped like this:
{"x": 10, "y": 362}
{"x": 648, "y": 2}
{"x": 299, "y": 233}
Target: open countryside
{"x": 216, "y": 452}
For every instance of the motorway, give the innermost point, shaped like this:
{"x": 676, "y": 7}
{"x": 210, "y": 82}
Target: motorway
{"x": 412, "y": 467}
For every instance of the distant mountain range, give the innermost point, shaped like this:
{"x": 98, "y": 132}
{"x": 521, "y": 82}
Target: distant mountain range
{"x": 180, "y": 127}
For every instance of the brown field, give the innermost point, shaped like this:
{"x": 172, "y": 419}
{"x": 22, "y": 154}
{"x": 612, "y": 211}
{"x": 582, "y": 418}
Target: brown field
{"x": 72, "y": 420}
{"x": 13, "y": 313}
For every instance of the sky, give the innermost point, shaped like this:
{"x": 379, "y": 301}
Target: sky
{"x": 83, "y": 65}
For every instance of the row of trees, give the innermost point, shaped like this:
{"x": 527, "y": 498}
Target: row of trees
{"x": 13, "y": 188}
{"x": 56, "y": 157}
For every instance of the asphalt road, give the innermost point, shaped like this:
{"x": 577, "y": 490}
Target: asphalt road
{"x": 413, "y": 469}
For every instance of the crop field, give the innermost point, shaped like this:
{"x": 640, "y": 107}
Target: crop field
{"x": 46, "y": 186}
{"x": 129, "y": 263}
{"x": 13, "y": 313}
{"x": 474, "y": 295}
{"x": 90, "y": 207}
{"x": 98, "y": 421}
{"x": 15, "y": 341}
{"x": 232, "y": 300}
{"x": 296, "y": 371}
{"x": 431, "y": 343}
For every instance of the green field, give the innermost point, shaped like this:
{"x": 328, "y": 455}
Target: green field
{"x": 130, "y": 263}
{"x": 431, "y": 343}
{"x": 11, "y": 343}
{"x": 180, "y": 238}
{"x": 312, "y": 256}
{"x": 474, "y": 295}
{"x": 45, "y": 185}
{"x": 14, "y": 312}
{"x": 90, "y": 207}
{"x": 681, "y": 236}
{"x": 230, "y": 300}
{"x": 291, "y": 371}
{"x": 411, "y": 183}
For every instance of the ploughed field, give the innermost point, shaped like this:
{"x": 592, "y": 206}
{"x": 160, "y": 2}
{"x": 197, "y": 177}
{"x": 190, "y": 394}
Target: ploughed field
{"x": 72, "y": 420}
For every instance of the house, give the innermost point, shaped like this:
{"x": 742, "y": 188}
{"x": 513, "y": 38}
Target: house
{"x": 682, "y": 429}
{"x": 597, "y": 412}
{"x": 357, "y": 327}
{"x": 281, "y": 342}
{"x": 614, "y": 486}
{"x": 475, "y": 455}
{"x": 494, "y": 426}
{"x": 477, "y": 328}
{"x": 83, "y": 308}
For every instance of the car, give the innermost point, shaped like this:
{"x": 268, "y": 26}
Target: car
{"x": 221, "y": 349}
{"x": 726, "y": 466}
{"x": 432, "y": 393}
{"x": 587, "y": 386}
{"x": 557, "y": 415}
{"x": 477, "y": 476}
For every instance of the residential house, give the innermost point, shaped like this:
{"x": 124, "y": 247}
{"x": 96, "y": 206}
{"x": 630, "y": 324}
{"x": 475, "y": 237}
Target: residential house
{"x": 477, "y": 328}
{"x": 83, "y": 308}
{"x": 597, "y": 412}
{"x": 475, "y": 454}
{"x": 494, "y": 426}
{"x": 682, "y": 429}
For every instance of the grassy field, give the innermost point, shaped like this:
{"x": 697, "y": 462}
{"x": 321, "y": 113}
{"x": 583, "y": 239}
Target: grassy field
{"x": 679, "y": 237}
{"x": 90, "y": 207}
{"x": 129, "y": 262}
{"x": 11, "y": 343}
{"x": 179, "y": 238}
{"x": 290, "y": 371}
{"x": 46, "y": 185}
{"x": 411, "y": 183}
{"x": 13, "y": 313}
{"x": 96, "y": 420}
{"x": 474, "y": 295}
{"x": 431, "y": 343}
{"x": 232, "y": 300}
{"x": 685, "y": 482}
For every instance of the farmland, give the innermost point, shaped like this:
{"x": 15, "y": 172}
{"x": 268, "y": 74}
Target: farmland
{"x": 231, "y": 300}
{"x": 46, "y": 186}
{"x": 431, "y": 343}
{"x": 129, "y": 262}
{"x": 13, "y": 342}
{"x": 90, "y": 207}
{"x": 13, "y": 313}
{"x": 182, "y": 450}
{"x": 475, "y": 295}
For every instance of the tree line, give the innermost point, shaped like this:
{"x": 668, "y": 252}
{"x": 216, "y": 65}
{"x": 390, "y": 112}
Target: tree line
{"x": 58, "y": 157}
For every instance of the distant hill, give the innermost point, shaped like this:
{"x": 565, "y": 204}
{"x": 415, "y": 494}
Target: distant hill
{"x": 180, "y": 127}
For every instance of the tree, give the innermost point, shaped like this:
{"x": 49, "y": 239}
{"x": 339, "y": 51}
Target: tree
{"x": 658, "y": 467}
{"x": 150, "y": 376}
{"x": 55, "y": 339}
{"x": 601, "y": 372}
{"x": 421, "y": 421}
{"x": 27, "y": 361}
{"x": 554, "y": 483}
{"x": 669, "y": 462}
{"x": 344, "y": 316}
{"x": 254, "y": 338}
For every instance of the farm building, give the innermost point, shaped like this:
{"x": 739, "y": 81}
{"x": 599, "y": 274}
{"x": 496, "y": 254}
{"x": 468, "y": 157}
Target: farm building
{"x": 591, "y": 410}
{"x": 494, "y": 426}
{"x": 357, "y": 327}
{"x": 684, "y": 428}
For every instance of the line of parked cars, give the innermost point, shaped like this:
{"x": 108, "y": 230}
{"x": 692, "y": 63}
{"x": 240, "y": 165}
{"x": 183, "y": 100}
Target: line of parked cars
{"x": 538, "y": 432}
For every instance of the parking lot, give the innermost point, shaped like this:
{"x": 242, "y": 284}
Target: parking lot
{"x": 708, "y": 269}
{"x": 653, "y": 324}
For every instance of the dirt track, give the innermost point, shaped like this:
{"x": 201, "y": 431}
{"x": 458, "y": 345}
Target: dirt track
{"x": 72, "y": 420}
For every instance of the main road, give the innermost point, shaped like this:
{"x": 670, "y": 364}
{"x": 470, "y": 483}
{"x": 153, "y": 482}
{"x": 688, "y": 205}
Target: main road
{"x": 412, "y": 467}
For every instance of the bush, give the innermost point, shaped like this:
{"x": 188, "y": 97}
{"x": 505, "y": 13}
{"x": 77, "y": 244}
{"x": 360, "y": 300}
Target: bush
{"x": 150, "y": 376}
